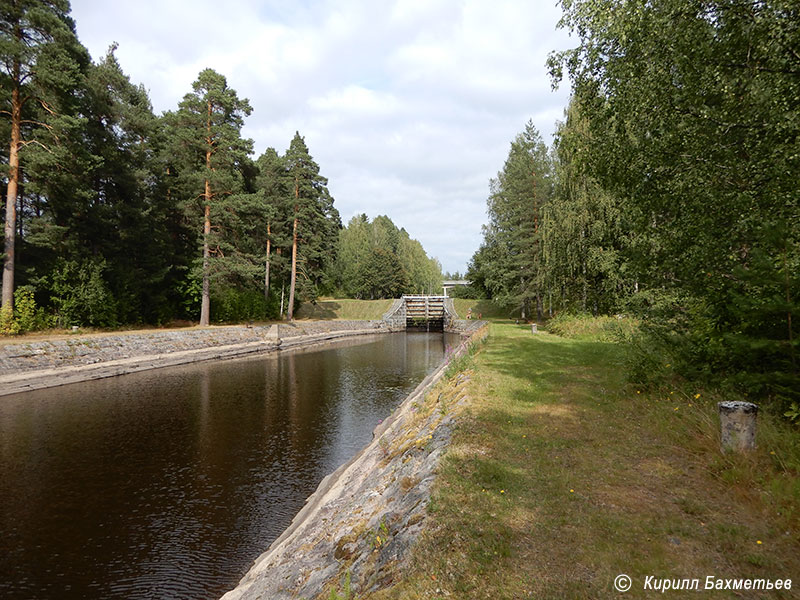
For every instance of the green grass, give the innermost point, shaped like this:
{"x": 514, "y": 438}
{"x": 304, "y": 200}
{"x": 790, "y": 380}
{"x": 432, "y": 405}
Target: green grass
{"x": 356, "y": 310}
{"x": 487, "y": 309}
{"x": 605, "y": 328}
{"x": 348, "y": 310}
{"x": 562, "y": 476}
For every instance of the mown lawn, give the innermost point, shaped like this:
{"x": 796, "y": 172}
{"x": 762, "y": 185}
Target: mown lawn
{"x": 485, "y": 309}
{"x": 561, "y": 476}
{"x": 348, "y": 310}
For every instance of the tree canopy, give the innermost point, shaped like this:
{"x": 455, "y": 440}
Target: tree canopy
{"x": 378, "y": 260}
{"x": 116, "y": 215}
{"x": 673, "y": 188}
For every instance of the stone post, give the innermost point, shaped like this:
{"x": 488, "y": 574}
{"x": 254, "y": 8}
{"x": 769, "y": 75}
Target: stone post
{"x": 534, "y": 328}
{"x": 738, "y": 425}
{"x": 272, "y": 335}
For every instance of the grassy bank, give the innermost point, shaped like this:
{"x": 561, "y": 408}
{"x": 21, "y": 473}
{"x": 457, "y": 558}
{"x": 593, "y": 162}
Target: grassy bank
{"x": 562, "y": 477}
{"x": 485, "y": 308}
{"x": 348, "y": 310}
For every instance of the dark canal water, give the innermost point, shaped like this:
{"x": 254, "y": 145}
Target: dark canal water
{"x": 169, "y": 483}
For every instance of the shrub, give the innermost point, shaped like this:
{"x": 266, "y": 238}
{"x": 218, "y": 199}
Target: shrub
{"x": 8, "y": 326}
{"x": 231, "y": 305}
{"x": 28, "y": 316}
{"x": 79, "y": 294}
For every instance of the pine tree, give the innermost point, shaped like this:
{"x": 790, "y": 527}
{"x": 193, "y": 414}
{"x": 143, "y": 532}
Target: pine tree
{"x": 41, "y": 64}
{"x": 209, "y": 152}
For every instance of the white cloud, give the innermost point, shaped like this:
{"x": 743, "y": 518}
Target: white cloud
{"x": 408, "y": 106}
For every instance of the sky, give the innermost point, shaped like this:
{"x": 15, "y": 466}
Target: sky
{"x": 408, "y": 106}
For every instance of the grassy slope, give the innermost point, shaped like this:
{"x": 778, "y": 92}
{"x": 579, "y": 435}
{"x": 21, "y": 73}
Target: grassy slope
{"x": 563, "y": 477}
{"x": 349, "y": 310}
{"x": 375, "y": 309}
{"x": 486, "y": 308}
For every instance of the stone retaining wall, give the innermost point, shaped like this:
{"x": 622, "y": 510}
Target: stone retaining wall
{"x": 28, "y": 365}
{"x": 464, "y": 327}
{"x": 395, "y": 317}
{"x": 33, "y": 364}
{"x": 77, "y": 350}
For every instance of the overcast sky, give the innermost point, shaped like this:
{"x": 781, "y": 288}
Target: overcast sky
{"x": 408, "y": 106}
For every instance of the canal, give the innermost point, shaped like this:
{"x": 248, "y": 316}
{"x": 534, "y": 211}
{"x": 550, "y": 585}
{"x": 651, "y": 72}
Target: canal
{"x": 169, "y": 483}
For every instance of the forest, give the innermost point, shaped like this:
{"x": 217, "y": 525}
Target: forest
{"x": 670, "y": 193}
{"x": 115, "y": 215}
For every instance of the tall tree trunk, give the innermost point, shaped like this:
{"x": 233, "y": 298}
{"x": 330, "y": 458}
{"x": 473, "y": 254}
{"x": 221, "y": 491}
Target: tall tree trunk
{"x": 789, "y": 311}
{"x": 294, "y": 249}
{"x": 585, "y": 290}
{"x": 11, "y": 196}
{"x": 266, "y": 271}
{"x": 294, "y": 270}
{"x": 539, "y": 307}
{"x": 205, "y": 305}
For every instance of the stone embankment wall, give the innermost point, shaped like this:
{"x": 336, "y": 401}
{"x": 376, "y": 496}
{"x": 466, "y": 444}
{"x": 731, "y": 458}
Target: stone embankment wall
{"x": 33, "y": 364}
{"x": 464, "y": 327}
{"x": 395, "y": 317}
{"x": 363, "y": 518}
{"x": 27, "y": 365}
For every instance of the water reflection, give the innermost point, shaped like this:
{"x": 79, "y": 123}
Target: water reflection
{"x": 169, "y": 483}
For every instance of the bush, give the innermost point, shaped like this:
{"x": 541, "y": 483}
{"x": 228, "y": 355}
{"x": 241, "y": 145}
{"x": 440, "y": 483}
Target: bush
{"x": 649, "y": 357}
{"x": 25, "y": 316}
{"x": 232, "y": 305}
{"x": 26, "y": 313}
{"x": 8, "y": 326}
{"x": 80, "y": 296}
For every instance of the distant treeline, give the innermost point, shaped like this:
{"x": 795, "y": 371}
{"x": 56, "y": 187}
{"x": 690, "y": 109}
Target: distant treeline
{"x": 670, "y": 192}
{"x": 115, "y": 215}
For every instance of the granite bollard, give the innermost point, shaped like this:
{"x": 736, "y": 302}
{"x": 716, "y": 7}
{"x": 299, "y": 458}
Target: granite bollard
{"x": 738, "y": 425}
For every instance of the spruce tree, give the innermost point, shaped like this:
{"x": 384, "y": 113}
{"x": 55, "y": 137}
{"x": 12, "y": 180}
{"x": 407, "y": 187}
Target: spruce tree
{"x": 518, "y": 194}
{"x": 272, "y": 183}
{"x": 127, "y": 204}
{"x": 315, "y": 222}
